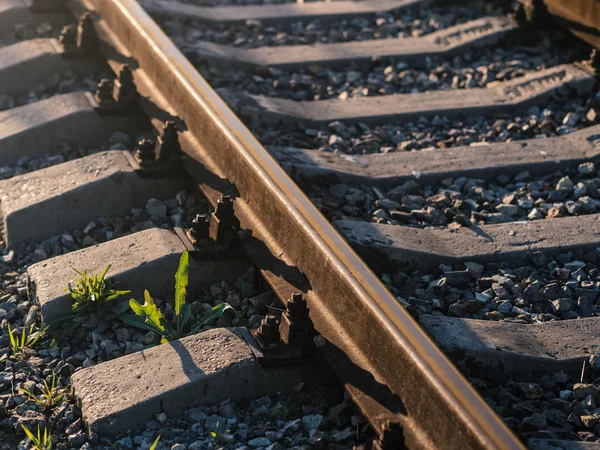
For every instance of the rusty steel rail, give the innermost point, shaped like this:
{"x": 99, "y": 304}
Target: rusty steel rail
{"x": 580, "y": 17}
{"x": 406, "y": 387}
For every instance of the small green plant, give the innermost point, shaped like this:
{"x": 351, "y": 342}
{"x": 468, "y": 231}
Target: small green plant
{"x": 155, "y": 443}
{"x": 218, "y": 435}
{"x": 28, "y": 339}
{"x": 39, "y": 442}
{"x": 149, "y": 317}
{"x": 91, "y": 293}
{"x": 52, "y": 394}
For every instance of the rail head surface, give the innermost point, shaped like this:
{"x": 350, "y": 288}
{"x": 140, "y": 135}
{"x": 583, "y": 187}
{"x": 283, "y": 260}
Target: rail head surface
{"x": 350, "y": 307}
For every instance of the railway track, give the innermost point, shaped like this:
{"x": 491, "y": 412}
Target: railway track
{"x": 456, "y": 157}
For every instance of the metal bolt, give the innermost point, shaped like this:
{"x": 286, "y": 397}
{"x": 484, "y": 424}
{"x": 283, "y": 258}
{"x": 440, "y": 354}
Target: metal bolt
{"x": 392, "y": 437}
{"x": 268, "y": 329}
{"x": 104, "y": 93}
{"x": 224, "y": 207}
{"x": 296, "y": 305}
{"x": 145, "y": 151}
{"x": 126, "y": 87}
{"x": 224, "y": 224}
{"x": 520, "y": 14}
{"x": 169, "y": 147}
{"x": 170, "y": 131}
{"x": 86, "y": 33}
{"x": 68, "y": 36}
{"x": 537, "y": 13}
{"x": 595, "y": 60}
{"x": 270, "y": 320}
{"x": 296, "y": 327}
{"x": 530, "y": 12}
{"x": 200, "y": 227}
{"x": 224, "y": 212}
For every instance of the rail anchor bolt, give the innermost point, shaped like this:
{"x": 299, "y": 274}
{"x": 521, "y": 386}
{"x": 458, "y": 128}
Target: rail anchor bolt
{"x": 595, "y": 61}
{"x": 104, "y": 93}
{"x": 199, "y": 232}
{"x": 520, "y": 15}
{"x": 268, "y": 332}
{"x": 125, "y": 90}
{"x": 224, "y": 224}
{"x": 391, "y": 438}
{"x": 86, "y": 33}
{"x": 68, "y": 38}
{"x": 168, "y": 150}
{"x": 296, "y": 328}
{"x": 144, "y": 154}
{"x": 530, "y": 13}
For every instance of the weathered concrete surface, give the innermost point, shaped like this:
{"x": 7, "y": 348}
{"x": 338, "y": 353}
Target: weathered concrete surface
{"x": 202, "y": 369}
{"x": 144, "y": 260}
{"x": 520, "y": 350}
{"x": 444, "y": 43}
{"x": 533, "y": 88}
{"x": 36, "y": 129}
{"x": 507, "y": 242}
{"x": 430, "y": 166}
{"x": 40, "y": 204}
{"x": 27, "y": 64}
{"x": 274, "y": 13}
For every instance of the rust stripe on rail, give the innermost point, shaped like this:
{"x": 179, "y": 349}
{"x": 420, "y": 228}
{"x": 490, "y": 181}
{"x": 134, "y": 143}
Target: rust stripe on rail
{"x": 381, "y": 337}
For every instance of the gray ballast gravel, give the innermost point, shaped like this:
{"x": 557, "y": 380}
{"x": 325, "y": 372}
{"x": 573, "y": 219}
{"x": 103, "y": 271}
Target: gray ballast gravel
{"x": 476, "y": 66}
{"x": 554, "y": 118}
{"x": 557, "y": 410}
{"x": 535, "y": 88}
{"x": 510, "y": 242}
{"x": 532, "y": 289}
{"x": 411, "y": 22}
{"x": 461, "y": 201}
{"x": 18, "y": 23}
{"x": 273, "y": 14}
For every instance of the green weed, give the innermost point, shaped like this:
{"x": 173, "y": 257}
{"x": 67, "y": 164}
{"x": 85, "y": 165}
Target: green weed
{"x": 91, "y": 293}
{"x": 39, "y": 442}
{"x": 52, "y": 394}
{"x": 28, "y": 339}
{"x": 155, "y": 443}
{"x": 149, "y": 317}
{"x": 218, "y": 435}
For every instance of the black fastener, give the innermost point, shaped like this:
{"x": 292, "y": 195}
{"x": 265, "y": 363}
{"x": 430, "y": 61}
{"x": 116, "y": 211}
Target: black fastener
{"x": 268, "y": 331}
{"x": 392, "y": 437}
{"x": 296, "y": 328}
{"x": 224, "y": 224}
{"x": 125, "y": 90}
{"x": 68, "y": 37}
{"x": 86, "y": 33}
{"x": 144, "y": 154}
{"x": 595, "y": 61}
{"x": 168, "y": 149}
{"x": 104, "y": 94}
{"x": 200, "y": 228}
